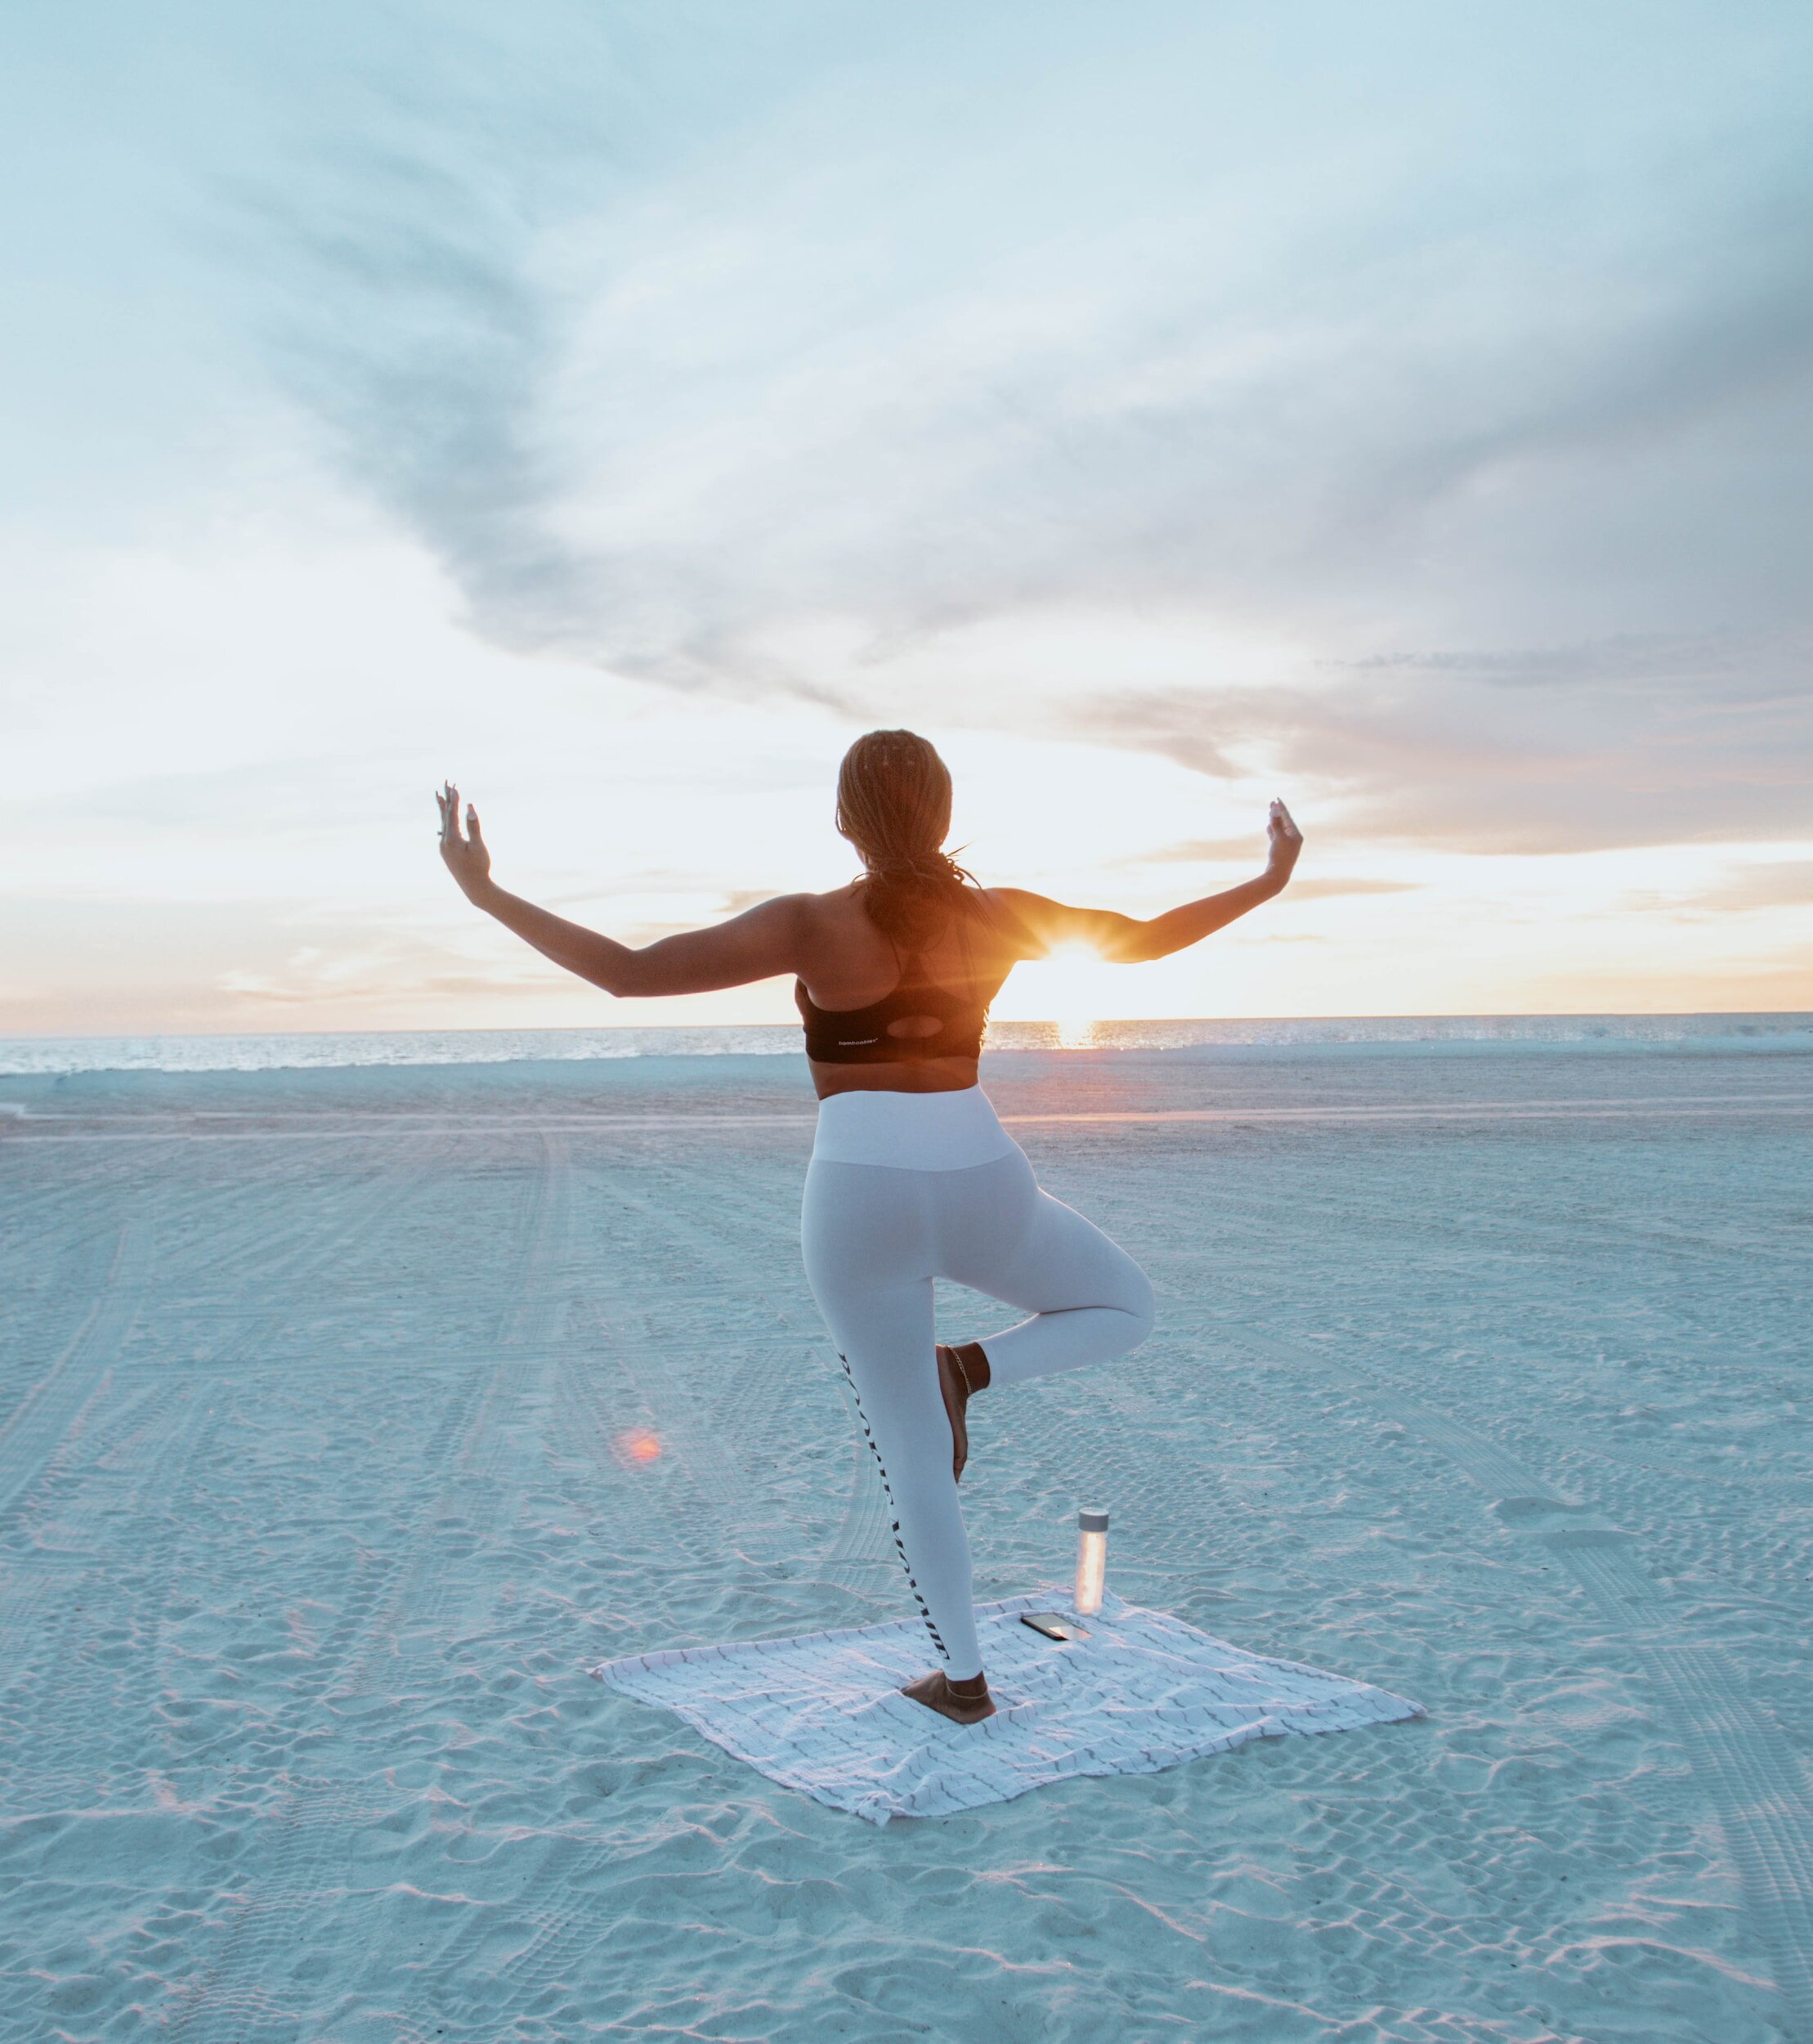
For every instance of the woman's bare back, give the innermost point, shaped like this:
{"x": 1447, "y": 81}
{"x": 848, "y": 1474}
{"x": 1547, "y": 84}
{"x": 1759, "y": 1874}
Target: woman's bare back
{"x": 849, "y": 962}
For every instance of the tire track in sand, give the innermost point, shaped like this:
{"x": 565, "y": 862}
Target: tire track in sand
{"x": 435, "y": 1575}
{"x": 1752, "y": 1778}
{"x": 34, "y": 1432}
{"x": 306, "y": 1837}
{"x": 675, "y": 1370}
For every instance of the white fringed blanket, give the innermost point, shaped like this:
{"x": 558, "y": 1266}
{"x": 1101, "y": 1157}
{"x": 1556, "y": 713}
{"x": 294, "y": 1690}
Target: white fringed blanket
{"x": 822, "y": 1713}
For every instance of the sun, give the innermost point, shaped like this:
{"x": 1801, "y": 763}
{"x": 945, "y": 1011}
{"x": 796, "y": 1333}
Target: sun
{"x": 1067, "y": 988}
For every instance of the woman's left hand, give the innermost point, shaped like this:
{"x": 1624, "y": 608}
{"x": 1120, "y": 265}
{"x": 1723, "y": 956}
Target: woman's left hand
{"x": 467, "y": 857}
{"x": 1284, "y": 841}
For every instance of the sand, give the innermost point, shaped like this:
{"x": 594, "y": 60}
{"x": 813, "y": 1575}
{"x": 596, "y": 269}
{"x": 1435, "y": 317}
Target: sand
{"x": 1481, "y": 1374}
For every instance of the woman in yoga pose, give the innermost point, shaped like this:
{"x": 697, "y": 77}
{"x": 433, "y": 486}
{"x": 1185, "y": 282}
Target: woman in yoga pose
{"x": 912, "y": 1176}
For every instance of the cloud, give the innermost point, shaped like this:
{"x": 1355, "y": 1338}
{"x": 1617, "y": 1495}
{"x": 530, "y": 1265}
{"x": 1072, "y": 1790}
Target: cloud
{"x": 789, "y": 382}
{"x": 1311, "y": 888}
{"x": 830, "y": 350}
{"x": 1248, "y": 851}
{"x": 1760, "y": 885}
{"x": 1640, "y": 741}
{"x": 1204, "y": 851}
{"x": 408, "y": 325}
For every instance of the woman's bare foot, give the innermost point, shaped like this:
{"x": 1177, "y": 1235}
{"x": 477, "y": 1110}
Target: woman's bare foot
{"x": 966, "y": 1702}
{"x": 962, "y": 1372}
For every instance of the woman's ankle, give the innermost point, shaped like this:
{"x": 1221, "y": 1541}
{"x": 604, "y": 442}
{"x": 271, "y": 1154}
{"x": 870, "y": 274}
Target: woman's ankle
{"x": 973, "y": 1361}
{"x": 962, "y": 1702}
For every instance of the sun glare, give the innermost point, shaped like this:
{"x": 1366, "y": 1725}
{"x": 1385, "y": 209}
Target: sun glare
{"x": 1065, "y": 988}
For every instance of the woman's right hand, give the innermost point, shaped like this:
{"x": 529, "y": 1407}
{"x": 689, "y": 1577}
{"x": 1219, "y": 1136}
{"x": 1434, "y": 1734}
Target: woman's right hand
{"x": 1284, "y": 841}
{"x": 465, "y": 858}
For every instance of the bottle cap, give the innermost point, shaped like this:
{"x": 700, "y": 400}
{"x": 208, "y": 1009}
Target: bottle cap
{"x": 1092, "y": 1522}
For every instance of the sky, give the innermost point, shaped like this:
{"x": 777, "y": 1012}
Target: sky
{"x": 1407, "y": 411}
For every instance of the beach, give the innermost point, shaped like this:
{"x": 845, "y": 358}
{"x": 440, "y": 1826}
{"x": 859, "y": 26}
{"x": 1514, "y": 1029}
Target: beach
{"x": 348, "y": 1415}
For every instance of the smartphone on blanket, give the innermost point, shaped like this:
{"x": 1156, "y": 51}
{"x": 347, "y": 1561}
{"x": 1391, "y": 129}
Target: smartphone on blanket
{"x": 1054, "y": 1624}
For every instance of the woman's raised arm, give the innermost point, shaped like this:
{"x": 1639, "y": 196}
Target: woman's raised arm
{"x": 1125, "y": 939}
{"x": 758, "y": 944}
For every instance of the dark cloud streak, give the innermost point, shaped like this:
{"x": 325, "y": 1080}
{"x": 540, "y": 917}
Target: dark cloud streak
{"x": 1651, "y": 742}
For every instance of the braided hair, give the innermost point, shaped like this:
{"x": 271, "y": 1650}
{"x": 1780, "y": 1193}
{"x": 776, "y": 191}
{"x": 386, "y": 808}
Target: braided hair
{"x": 893, "y": 805}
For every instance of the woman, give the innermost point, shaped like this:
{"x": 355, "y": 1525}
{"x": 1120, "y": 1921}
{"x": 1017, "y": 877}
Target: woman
{"x": 912, "y": 1176}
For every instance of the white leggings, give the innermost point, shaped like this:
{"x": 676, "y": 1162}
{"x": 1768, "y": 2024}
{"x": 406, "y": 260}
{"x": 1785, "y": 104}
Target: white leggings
{"x": 904, "y": 1187}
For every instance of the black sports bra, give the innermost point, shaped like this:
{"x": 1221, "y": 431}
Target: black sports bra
{"x": 892, "y": 1031}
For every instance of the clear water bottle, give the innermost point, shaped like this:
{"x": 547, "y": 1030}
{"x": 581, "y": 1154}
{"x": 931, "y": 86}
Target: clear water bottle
{"x": 1091, "y": 1562}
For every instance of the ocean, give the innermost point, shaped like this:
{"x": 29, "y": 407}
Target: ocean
{"x": 297, "y": 1050}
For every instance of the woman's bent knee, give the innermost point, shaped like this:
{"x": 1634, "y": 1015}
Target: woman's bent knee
{"x": 1141, "y": 1308}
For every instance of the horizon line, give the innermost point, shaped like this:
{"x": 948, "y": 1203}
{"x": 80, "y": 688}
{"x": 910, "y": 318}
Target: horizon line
{"x": 1051, "y": 1022}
